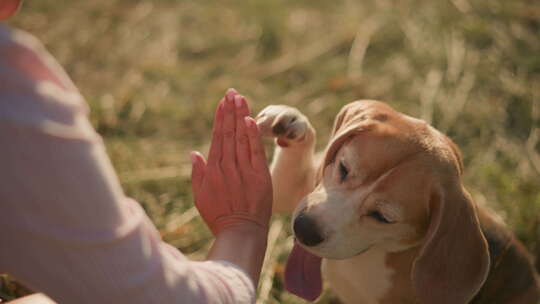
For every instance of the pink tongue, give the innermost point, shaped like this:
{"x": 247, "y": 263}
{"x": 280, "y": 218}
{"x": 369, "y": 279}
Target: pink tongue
{"x": 303, "y": 274}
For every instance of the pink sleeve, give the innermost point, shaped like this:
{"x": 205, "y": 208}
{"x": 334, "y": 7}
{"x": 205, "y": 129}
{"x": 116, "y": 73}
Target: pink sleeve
{"x": 66, "y": 227}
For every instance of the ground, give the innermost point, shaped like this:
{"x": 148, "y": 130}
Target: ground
{"x": 152, "y": 72}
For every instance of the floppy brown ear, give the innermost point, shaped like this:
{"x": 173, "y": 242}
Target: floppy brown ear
{"x": 456, "y": 152}
{"x": 454, "y": 260}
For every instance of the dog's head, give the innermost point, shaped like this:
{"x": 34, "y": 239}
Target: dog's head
{"x": 393, "y": 182}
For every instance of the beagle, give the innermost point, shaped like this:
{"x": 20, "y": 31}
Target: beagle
{"x": 384, "y": 216}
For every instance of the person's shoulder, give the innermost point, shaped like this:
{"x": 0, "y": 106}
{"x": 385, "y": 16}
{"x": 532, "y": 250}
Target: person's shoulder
{"x": 34, "y": 89}
{"x": 11, "y": 37}
{"x": 6, "y": 34}
{"x": 24, "y": 54}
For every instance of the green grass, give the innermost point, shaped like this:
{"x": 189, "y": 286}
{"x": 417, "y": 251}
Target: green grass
{"x": 152, "y": 72}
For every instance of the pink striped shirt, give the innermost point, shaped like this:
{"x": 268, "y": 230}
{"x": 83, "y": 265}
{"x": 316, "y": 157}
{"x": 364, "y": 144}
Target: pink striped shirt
{"x": 66, "y": 227}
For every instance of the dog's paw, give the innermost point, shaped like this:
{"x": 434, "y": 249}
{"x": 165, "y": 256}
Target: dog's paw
{"x": 288, "y": 125}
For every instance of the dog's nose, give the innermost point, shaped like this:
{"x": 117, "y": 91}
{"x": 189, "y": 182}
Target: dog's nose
{"x": 306, "y": 230}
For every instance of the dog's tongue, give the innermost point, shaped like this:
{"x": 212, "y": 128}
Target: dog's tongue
{"x": 303, "y": 274}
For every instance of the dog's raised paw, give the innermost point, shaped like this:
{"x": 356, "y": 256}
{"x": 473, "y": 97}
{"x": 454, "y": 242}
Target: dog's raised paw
{"x": 286, "y": 124}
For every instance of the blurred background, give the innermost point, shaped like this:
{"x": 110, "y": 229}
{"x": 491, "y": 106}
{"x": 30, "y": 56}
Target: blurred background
{"x": 153, "y": 71}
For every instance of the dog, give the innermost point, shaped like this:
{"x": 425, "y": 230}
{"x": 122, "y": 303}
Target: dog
{"x": 384, "y": 217}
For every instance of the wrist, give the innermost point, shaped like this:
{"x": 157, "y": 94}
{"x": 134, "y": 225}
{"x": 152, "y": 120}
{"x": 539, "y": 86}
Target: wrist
{"x": 247, "y": 229}
{"x": 239, "y": 221}
{"x": 244, "y": 245}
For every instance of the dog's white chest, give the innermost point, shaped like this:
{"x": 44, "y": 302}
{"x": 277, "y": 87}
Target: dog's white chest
{"x": 363, "y": 279}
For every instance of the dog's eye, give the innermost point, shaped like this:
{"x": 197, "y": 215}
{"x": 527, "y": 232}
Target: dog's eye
{"x": 343, "y": 171}
{"x": 377, "y": 215}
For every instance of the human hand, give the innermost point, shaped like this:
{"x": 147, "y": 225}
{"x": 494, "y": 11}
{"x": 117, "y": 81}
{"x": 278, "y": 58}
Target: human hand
{"x": 233, "y": 188}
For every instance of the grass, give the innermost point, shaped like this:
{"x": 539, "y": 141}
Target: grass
{"x": 152, "y": 72}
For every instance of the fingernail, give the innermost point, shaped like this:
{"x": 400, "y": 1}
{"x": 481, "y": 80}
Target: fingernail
{"x": 249, "y": 121}
{"x": 193, "y": 156}
{"x": 238, "y": 101}
{"x": 230, "y": 94}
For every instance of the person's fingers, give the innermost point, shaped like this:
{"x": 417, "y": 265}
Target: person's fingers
{"x": 215, "y": 152}
{"x": 198, "y": 165}
{"x": 243, "y": 157}
{"x": 242, "y": 110}
{"x": 257, "y": 154}
{"x": 228, "y": 158}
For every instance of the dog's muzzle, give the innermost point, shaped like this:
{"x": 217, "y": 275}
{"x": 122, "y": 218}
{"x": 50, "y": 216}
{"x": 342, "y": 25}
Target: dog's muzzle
{"x": 306, "y": 230}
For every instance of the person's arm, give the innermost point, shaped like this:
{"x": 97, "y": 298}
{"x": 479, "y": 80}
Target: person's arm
{"x": 68, "y": 229}
{"x": 243, "y": 246}
{"x": 233, "y": 189}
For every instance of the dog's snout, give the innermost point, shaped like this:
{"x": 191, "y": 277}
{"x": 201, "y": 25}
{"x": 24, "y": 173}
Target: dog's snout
{"x": 306, "y": 230}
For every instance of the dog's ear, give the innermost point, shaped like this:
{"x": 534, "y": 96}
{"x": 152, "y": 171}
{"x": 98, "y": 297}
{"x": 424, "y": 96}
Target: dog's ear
{"x": 454, "y": 261}
{"x": 456, "y": 152}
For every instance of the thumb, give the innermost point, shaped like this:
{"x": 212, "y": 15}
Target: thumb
{"x": 197, "y": 170}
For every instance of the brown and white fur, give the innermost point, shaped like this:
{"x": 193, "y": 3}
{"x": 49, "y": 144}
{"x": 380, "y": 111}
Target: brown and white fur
{"x": 393, "y": 221}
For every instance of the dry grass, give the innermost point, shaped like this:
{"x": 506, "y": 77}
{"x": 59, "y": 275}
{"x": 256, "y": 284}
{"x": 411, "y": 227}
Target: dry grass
{"x": 152, "y": 72}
